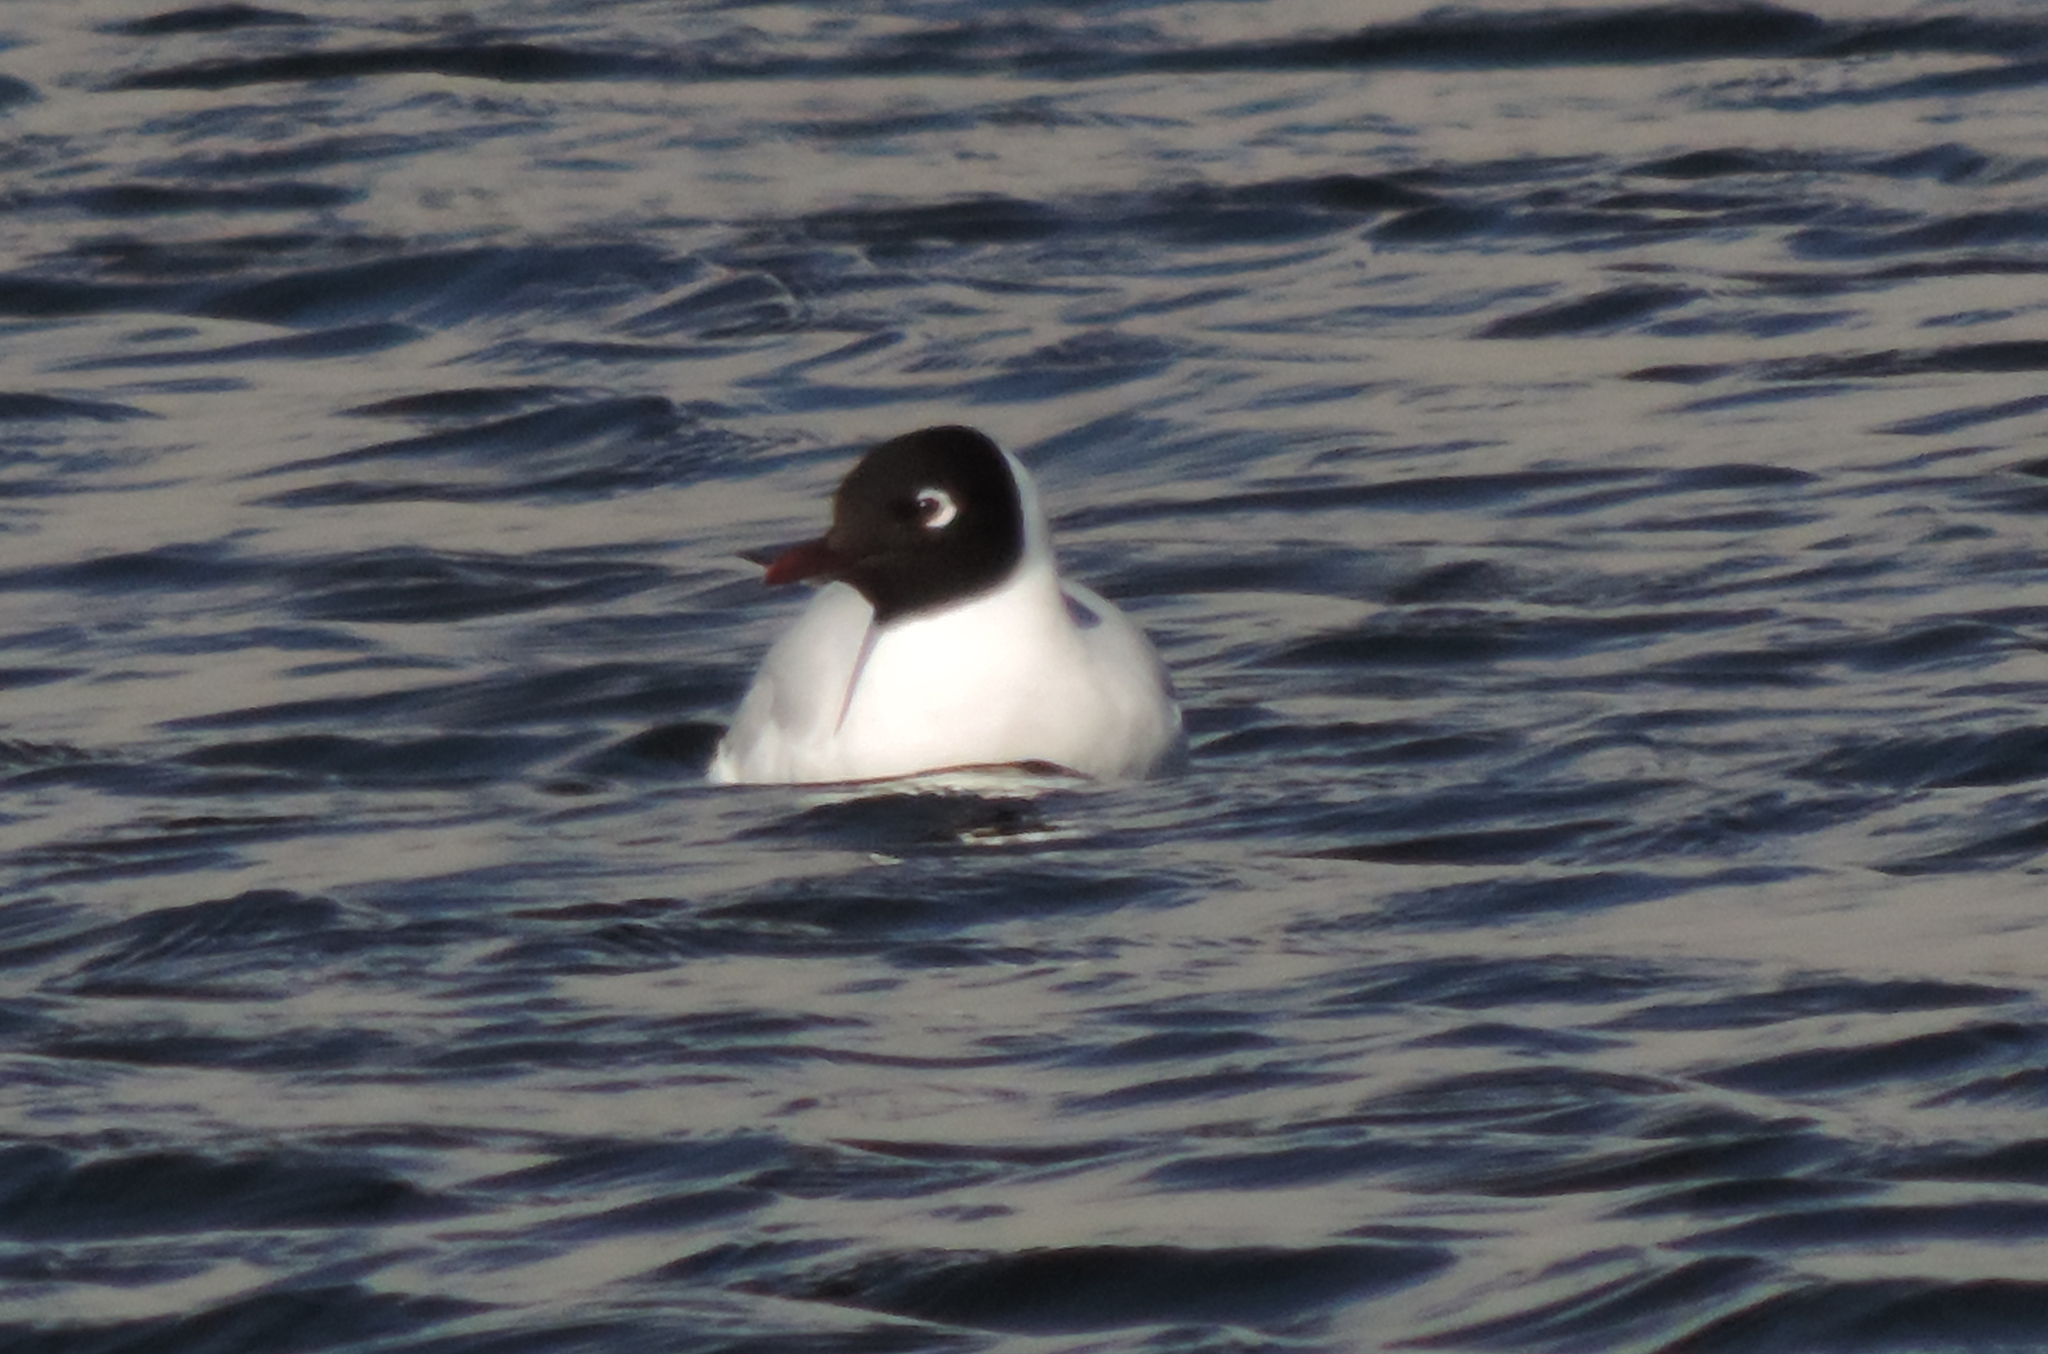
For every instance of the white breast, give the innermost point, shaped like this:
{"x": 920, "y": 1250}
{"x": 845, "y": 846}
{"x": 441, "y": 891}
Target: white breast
{"x": 1006, "y": 677}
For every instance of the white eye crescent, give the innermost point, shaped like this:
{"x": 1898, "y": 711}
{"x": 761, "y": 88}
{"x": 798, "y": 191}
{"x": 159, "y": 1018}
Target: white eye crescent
{"x": 935, "y": 508}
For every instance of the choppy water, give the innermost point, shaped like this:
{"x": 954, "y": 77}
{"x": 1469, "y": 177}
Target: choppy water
{"x": 1585, "y": 468}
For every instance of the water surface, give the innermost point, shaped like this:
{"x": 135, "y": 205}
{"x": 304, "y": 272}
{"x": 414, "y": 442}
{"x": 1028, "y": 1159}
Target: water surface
{"x": 1583, "y": 466}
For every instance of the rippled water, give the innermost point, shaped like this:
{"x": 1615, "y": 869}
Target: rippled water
{"x": 1584, "y": 467}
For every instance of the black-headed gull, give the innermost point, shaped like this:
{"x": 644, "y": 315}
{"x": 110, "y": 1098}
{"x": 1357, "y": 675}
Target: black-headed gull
{"x": 945, "y": 638}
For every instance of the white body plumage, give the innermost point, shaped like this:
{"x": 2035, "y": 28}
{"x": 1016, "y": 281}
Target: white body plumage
{"x": 1030, "y": 669}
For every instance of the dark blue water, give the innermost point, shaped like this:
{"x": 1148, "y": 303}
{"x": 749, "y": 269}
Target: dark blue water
{"x": 1585, "y": 467}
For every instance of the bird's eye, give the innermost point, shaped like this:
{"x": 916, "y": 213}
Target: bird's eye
{"x": 935, "y": 508}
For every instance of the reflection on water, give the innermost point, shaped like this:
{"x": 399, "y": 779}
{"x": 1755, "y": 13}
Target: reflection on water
{"x": 1581, "y": 466}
